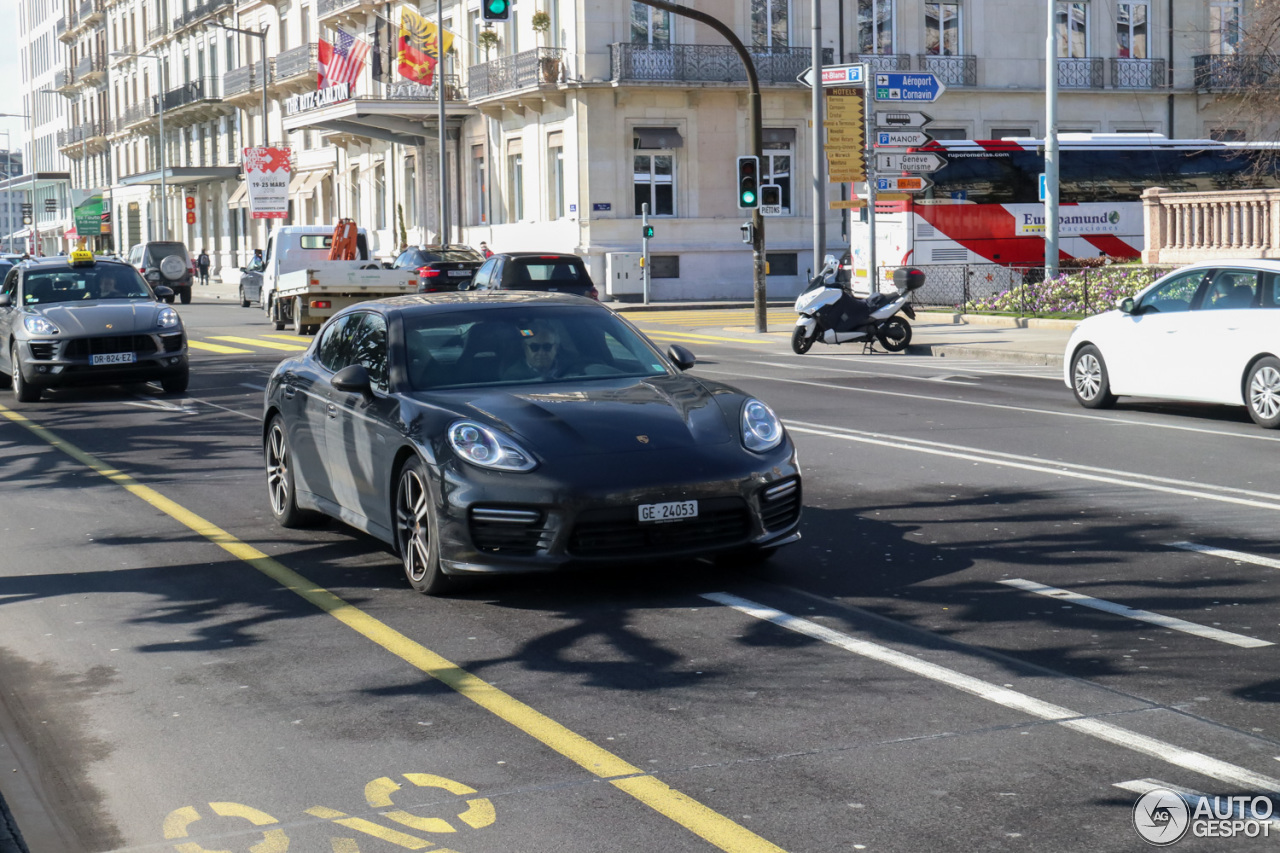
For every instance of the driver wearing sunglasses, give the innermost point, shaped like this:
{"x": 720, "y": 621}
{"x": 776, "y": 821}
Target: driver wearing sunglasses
{"x": 541, "y": 354}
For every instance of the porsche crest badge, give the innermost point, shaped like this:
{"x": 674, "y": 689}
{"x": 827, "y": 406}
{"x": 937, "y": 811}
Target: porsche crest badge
{"x": 643, "y": 439}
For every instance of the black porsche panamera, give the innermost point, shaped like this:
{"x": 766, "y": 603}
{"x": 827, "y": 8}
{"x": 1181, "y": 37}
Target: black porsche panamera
{"x": 514, "y": 432}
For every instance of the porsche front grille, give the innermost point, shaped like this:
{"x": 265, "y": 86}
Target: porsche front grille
{"x": 85, "y": 347}
{"x": 619, "y": 533}
{"x": 780, "y": 505}
{"x": 509, "y": 530}
{"x": 43, "y": 350}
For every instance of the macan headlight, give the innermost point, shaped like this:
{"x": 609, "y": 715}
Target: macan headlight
{"x": 761, "y": 429}
{"x": 488, "y": 448}
{"x": 168, "y": 318}
{"x": 38, "y": 325}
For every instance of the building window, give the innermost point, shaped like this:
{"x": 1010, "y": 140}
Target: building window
{"x": 770, "y": 25}
{"x": 515, "y": 180}
{"x": 779, "y": 155}
{"x": 654, "y": 184}
{"x": 1131, "y": 30}
{"x": 664, "y": 266}
{"x": 782, "y": 263}
{"x": 411, "y": 191}
{"x": 650, "y": 26}
{"x": 380, "y": 196}
{"x": 1071, "y": 21}
{"x": 947, "y": 132}
{"x": 1227, "y": 134}
{"x": 555, "y": 175}
{"x": 480, "y": 200}
{"x": 1002, "y": 132}
{"x": 942, "y": 29}
{"x": 1224, "y": 27}
{"x": 478, "y": 54}
{"x": 875, "y": 26}
{"x": 355, "y": 194}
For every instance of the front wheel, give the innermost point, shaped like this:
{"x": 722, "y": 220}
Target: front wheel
{"x": 176, "y": 383}
{"x": 894, "y": 334}
{"x": 801, "y": 342}
{"x": 280, "y": 488}
{"x": 415, "y": 525}
{"x": 1089, "y": 379}
{"x": 244, "y": 300}
{"x": 1264, "y": 393}
{"x": 23, "y": 391}
{"x": 184, "y": 293}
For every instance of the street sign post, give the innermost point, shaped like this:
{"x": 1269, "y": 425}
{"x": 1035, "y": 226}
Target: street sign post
{"x": 921, "y": 87}
{"x": 900, "y": 138}
{"x": 925, "y": 161}
{"x": 836, "y": 75}
{"x": 903, "y": 184}
{"x": 901, "y": 120}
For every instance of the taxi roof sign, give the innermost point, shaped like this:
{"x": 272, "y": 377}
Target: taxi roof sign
{"x": 82, "y": 258}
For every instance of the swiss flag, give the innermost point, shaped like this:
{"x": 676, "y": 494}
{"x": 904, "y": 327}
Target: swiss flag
{"x": 324, "y": 56}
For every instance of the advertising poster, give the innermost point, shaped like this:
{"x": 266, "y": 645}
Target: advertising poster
{"x": 89, "y": 210}
{"x": 266, "y": 176}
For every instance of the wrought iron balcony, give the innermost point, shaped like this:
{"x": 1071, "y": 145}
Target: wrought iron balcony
{"x": 1216, "y": 73}
{"x": 296, "y": 61}
{"x": 326, "y": 8}
{"x": 61, "y": 27}
{"x": 88, "y": 66}
{"x": 199, "y": 12}
{"x": 1138, "y": 74}
{"x": 136, "y": 114}
{"x": 882, "y": 61}
{"x": 529, "y": 69}
{"x": 64, "y": 80}
{"x": 81, "y": 134}
{"x": 244, "y": 80}
{"x": 202, "y": 89}
{"x": 951, "y": 70}
{"x": 1080, "y": 73}
{"x": 159, "y": 31}
{"x": 91, "y": 11}
{"x": 702, "y": 63}
{"x": 124, "y": 47}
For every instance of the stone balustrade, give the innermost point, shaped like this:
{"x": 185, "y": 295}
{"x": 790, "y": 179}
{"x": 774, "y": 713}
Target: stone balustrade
{"x": 1182, "y": 228}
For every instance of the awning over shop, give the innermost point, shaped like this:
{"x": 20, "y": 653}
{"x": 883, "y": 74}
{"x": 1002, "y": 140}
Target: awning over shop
{"x": 310, "y": 180}
{"x": 403, "y": 121}
{"x": 182, "y": 175}
{"x": 239, "y": 198}
{"x": 44, "y": 180}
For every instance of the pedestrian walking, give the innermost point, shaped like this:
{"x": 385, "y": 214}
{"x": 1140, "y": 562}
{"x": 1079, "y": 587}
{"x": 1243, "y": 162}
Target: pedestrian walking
{"x": 484, "y": 249}
{"x": 202, "y": 263}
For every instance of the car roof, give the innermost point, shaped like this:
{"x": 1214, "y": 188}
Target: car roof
{"x": 467, "y": 300}
{"x": 1257, "y": 263}
{"x": 539, "y": 255}
{"x": 62, "y": 261}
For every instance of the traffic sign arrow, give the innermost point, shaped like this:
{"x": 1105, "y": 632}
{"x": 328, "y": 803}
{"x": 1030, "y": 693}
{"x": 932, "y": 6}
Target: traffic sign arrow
{"x": 895, "y": 120}
{"x": 921, "y": 87}
{"x": 925, "y": 161}
{"x": 904, "y": 184}
{"x": 836, "y": 75}
{"x": 900, "y": 138}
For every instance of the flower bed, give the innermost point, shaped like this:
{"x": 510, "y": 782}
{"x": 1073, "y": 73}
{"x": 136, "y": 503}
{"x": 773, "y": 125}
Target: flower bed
{"x": 1078, "y": 293}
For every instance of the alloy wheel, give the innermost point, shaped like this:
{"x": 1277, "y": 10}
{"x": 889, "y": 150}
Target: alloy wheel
{"x": 1088, "y": 376}
{"x": 412, "y": 530}
{"x": 1264, "y": 392}
{"x": 278, "y": 470}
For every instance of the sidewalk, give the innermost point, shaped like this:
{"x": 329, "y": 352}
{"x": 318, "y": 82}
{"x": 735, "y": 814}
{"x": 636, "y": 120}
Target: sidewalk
{"x": 1020, "y": 340}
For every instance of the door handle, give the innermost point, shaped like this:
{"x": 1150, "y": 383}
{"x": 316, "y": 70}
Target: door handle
{"x": 332, "y": 410}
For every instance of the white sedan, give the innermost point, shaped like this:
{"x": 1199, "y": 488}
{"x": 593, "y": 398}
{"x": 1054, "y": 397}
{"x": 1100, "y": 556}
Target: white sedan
{"x": 1208, "y": 333}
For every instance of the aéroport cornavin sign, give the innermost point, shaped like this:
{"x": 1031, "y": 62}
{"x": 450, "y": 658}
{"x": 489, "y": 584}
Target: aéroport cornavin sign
{"x": 319, "y": 98}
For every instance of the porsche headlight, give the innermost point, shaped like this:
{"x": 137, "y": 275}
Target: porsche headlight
{"x": 761, "y": 429}
{"x": 488, "y": 448}
{"x": 167, "y": 318}
{"x": 38, "y": 325}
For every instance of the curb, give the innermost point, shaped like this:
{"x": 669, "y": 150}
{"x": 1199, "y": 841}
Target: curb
{"x": 986, "y": 354}
{"x": 942, "y": 318}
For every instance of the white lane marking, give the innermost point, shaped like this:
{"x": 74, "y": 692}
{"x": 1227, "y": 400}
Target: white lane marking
{"x": 1190, "y": 796}
{"x": 1196, "y": 762}
{"x": 1256, "y": 435}
{"x": 160, "y": 405}
{"x": 254, "y": 387}
{"x": 1141, "y": 615}
{"x": 1222, "y": 494}
{"x": 1228, "y": 554}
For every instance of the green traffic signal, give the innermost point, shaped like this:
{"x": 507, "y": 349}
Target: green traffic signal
{"x": 497, "y": 10}
{"x": 748, "y": 182}
{"x": 648, "y": 232}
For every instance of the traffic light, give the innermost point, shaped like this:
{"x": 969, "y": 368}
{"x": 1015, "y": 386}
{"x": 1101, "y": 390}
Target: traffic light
{"x": 496, "y": 10}
{"x": 748, "y": 183}
{"x": 648, "y": 232}
{"x": 771, "y": 195}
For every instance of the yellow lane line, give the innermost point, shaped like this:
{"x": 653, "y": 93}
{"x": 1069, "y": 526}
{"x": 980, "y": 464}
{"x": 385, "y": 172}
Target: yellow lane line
{"x": 294, "y": 338}
{"x": 702, "y": 821}
{"x": 254, "y": 342}
{"x": 687, "y": 337}
{"x": 219, "y": 348}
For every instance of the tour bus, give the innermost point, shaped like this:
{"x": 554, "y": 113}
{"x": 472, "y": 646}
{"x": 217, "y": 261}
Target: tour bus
{"x": 985, "y": 205}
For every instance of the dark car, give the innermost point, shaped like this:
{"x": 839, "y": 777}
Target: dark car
{"x": 441, "y": 269}
{"x": 555, "y": 273}
{"x": 153, "y": 260}
{"x": 250, "y": 286}
{"x": 81, "y": 321}
{"x": 516, "y": 432}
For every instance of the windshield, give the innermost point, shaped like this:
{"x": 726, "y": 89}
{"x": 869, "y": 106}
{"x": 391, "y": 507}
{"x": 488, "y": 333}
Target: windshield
{"x": 551, "y": 270}
{"x": 523, "y": 345}
{"x": 79, "y": 283}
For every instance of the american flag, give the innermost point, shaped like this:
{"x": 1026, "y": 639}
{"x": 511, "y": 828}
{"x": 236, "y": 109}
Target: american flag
{"x": 344, "y": 62}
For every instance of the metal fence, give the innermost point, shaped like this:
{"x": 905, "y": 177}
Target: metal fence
{"x": 1023, "y": 291}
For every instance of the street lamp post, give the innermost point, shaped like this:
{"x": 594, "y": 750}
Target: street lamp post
{"x": 261, "y": 35}
{"x": 164, "y": 190}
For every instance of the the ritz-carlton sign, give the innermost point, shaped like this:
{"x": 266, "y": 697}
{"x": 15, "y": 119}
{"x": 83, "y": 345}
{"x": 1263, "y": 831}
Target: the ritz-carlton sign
{"x": 320, "y": 98}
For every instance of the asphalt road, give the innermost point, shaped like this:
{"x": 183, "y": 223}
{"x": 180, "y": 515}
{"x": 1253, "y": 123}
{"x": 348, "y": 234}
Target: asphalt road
{"x": 938, "y": 665}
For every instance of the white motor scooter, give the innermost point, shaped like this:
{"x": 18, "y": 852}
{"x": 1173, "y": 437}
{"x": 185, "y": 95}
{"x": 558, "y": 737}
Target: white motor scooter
{"x": 832, "y": 316}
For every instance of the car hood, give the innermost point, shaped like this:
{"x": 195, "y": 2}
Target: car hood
{"x": 609, "y": 417}
{"x": 97, "y": 317}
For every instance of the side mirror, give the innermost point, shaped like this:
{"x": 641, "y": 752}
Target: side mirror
{"x": 829, "y": 260}
{"x": 1125, "y": 305}
{"x": 161, "y": 291}
{"x": 681, "y": 357}
{"x": 353, "y": 379}
{"x": 6, "y": 300}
